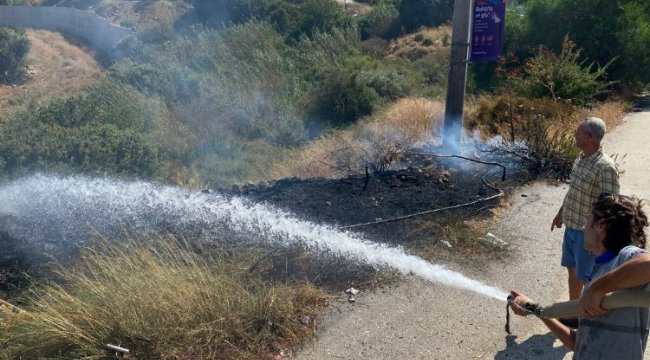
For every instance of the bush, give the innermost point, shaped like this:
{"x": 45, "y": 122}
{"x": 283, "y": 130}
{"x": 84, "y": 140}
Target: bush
{"x": 101, "y": 131}
{"x": 561, "y": 76}
{"x": 14, "y": 46}
{"x": 537, "y": 134}
{"x": 612, "y": 29}
{"x": 343, "y": 98}
{"x": 359, "y": 87}
{"x": 379, "y": 22}
{"x": 320, "y": 16}
{"x": 435, "y": 68}
{"x": 635, "y": 41}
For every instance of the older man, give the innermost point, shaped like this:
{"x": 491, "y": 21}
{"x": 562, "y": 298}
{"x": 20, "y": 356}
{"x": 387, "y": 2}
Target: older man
{"x": 593, "y": 173}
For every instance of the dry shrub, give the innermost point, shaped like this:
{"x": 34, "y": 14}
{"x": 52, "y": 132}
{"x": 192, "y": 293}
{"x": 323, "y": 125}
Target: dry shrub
{"x": 426, "y": 41}
{"x": 161, "y": 300}
{"x": 508, "y": 115}
{"x": 375, "y": 142}
{"x": 537, "y": 133}
{"x": 612, "y": 111}
{"x": 442, "y": 33}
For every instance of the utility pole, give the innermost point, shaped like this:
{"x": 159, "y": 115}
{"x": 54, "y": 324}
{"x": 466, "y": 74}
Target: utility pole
{"x": 453, "y": 125}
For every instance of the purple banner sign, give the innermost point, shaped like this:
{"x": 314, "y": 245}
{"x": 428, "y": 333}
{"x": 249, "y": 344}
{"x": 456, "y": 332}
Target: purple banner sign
{"x": 488, "y": 29}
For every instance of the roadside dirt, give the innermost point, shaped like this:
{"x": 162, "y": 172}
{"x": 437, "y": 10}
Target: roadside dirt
{"x": 416, "y": 319}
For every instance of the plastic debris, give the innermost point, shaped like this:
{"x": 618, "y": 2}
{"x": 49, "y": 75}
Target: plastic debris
{"x": 352, "y": 291}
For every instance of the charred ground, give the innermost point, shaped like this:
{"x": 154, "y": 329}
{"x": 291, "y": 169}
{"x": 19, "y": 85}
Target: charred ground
{"x": 379, "y": 206}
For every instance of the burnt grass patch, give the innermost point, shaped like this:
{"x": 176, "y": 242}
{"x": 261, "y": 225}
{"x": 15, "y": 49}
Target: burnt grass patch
{"x": 379, "y": 206}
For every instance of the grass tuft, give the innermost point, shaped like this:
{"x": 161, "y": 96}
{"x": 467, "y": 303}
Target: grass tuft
{"x": 161, "y": 300}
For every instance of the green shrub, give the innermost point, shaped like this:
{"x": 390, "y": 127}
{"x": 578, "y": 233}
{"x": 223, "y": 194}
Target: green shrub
{"x": 517, "y": 38}
{"x": 343, "y": 98}
{"x": 435, "y": 68}
{"x": 561, "y": 76}
{"x": 379, "y": 22}
{"x": 359, "y": 87}
{"x": 217, "y": 13}
{"x": 610, "y": 29}
{"x": 635, "y": 40}
{"x": 14, "y": 46}
{"x": 320, "y": 16}
{"x": 101, "y": 131}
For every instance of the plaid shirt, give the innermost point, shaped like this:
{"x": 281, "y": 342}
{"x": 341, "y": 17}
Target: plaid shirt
{"x": 590, "y": 176}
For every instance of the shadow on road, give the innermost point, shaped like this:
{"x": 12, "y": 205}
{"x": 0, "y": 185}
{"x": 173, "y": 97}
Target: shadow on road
{"x": 536, "y": 347}
{"x": 641, "y": 103}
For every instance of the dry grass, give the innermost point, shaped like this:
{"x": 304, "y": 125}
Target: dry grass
{"x": 160, "y": 300}
{"x": 139, "y": 14}
{"x": 55, "y": 68}
{"x": 425, "y": 41}
{"x": 376, "y": 142}
{"x": 460, "y": 239}
{"x": 560, "y": 117}
{"x": 611, "y": 111}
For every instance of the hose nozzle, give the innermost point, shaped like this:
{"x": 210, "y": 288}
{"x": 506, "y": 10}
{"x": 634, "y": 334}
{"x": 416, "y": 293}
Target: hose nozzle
{"x": 529, "y": 308}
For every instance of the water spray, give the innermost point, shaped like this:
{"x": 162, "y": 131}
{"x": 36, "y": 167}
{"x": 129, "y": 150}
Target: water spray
{"x": 51, "y": 207}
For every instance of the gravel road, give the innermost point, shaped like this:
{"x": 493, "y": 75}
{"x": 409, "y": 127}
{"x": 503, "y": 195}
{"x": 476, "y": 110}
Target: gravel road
{"x": 421, "y": 320}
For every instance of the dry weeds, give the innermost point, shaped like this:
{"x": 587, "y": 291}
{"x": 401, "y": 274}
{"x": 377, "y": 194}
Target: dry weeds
{"x": 140, "y": 14}
{"x": 611, "y": 111}
{"x": 423, "y": 42}
{"x": 55, "y": 67}
{"x": 160, "y": 300}
{"x": 375, "y": 142}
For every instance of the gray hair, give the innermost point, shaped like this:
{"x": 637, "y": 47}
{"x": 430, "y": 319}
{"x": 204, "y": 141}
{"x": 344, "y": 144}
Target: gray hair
{"x": 595, "y": 126}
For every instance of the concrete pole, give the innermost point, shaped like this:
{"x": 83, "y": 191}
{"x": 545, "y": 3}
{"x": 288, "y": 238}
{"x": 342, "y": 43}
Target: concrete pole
{"x": 453, "y": 125}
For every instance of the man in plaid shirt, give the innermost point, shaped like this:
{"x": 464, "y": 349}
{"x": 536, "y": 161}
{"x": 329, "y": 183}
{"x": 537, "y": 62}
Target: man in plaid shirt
{"x": 593, "y": 173}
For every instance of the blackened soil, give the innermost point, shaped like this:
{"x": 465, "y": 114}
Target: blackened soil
{"x": 375, "y": 201}
{"x": 379, "y": 197}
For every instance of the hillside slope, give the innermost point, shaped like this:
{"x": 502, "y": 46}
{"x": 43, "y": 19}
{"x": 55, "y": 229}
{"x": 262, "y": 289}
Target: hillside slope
{"x": 55, "y": 67}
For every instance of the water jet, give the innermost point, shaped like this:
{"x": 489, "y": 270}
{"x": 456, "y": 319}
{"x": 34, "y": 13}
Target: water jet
{"x": 60, "y": 212}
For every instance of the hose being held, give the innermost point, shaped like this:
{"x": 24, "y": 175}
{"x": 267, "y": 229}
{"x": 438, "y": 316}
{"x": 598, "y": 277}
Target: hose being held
{"x": 614, "y": 300}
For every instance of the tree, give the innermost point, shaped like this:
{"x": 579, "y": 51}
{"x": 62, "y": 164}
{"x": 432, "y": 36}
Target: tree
{"x": 604, "y": 29}
{"x": 14, "y": 46}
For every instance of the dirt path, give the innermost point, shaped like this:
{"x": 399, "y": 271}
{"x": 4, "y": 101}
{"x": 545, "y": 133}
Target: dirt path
{"x": 421, "y": 320}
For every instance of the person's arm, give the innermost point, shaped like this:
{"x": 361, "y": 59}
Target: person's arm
{"x": 634, "y": 272}
{"x": 566, "y": 335}
{"x": 557, "y": 221}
